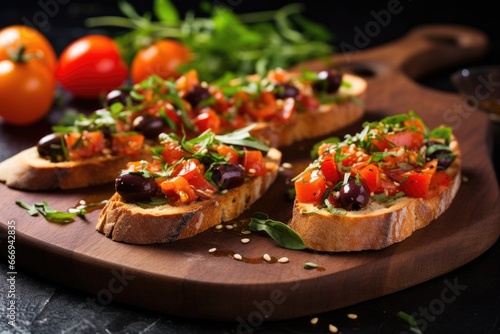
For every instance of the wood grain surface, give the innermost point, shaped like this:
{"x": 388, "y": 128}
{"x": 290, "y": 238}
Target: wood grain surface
{"x": 183, "y": 278}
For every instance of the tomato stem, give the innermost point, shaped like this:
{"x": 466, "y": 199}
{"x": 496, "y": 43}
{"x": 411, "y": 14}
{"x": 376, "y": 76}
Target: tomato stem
{"x": 19, "y": 55}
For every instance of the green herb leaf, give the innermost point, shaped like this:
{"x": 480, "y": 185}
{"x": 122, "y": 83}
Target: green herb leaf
{"x": 279, "y": 231}
{"x": 50, "y": 214}
{"x": 166, "y": 12}
{"x": 310, "y": 265}
{"x": 242, "y": 137}
{"x": 410, "y": 320}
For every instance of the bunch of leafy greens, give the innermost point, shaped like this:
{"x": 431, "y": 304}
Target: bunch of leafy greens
{"x": 224, "y": 43}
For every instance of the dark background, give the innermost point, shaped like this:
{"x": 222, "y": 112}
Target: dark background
{"x": 50, "y": 308}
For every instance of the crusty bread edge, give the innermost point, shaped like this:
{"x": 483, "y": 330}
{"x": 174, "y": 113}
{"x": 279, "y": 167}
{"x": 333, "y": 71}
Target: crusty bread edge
{"x": 374, "y": 227}
{"x": 27, "y": 171}
{"x": 139, "y": 224}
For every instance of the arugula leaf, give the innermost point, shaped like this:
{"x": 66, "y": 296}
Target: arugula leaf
{"x": 166, "y": 12}
{"x": 50, "y": 214}
{"x": 242, "y": 137}
{"x": 279, "y": 231}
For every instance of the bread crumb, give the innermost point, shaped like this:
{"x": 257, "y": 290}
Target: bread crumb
{"x": 314, "y": 321}
{"x": 333, "y": 329}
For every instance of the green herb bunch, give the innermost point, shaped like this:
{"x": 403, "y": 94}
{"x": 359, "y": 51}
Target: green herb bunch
{"x": 224, "y": 43}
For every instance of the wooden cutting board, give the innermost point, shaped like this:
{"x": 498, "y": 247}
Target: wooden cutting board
{"x": 183, "y": 278}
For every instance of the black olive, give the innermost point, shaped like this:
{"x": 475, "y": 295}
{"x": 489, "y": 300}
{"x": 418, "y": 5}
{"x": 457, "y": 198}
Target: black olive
{"x": 50, "y": 147}
{"x": 354, "y": 195}
{"x": 228, "y": 176}
{"x": 328, "y": 82}
{"x": 283, "y": 91}
{"x": 150, "y": 126}
{"x": 441, "y": 152}
{"x": 115, "y": 96}
{"x": 196, "y": 95}
{"x": 135, "y": 187}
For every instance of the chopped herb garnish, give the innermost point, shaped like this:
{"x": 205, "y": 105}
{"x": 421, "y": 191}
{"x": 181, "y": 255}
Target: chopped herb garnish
{"x": 310, "y": 265}
{"x": 50, "y": 214}
{"x": 279, "y": 231}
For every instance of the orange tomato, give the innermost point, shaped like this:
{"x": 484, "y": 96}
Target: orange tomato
{"x": 26, "y": 91}
{"x": 12, "y": 37}
{"x": 162, "y": 58}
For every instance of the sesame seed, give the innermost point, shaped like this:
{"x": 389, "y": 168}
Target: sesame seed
{"x": 287, "y": 165}
{"x": 246, "y": 232}
{"x": 352, "y": 316}
{"x": 266, "y": 257}
{"x": 333, "y": 329}
{"x": 229, "y": 227}
{"x": 238, "y": 257}
{"x": 283, "y": 260}
{"x": 218, "y": 226}
{"x": 211, "y": 250}
{"x": 82, "y": 202}
{"x": 252, "y": 171}
{"x": 314, "y": 320}
{"x": 245, "y": 240}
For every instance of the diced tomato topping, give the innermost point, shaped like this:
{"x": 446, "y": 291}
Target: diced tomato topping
{"x": 84, "y": 145}
{"x": 370, "y": 175}
{"x": 310, "y": 187}
{"x": 127, "y": 144}
{"x": 412, "y": 140}
{"x": 186, "y": 168}
{"x": 201, "y": 186}
{"x": 416, "y": 182}
{"x": 286, "y": 110}
{"x": 173, "y": 152}
{"x": 330, "y": 169}
{"x": 439, "y": 182}
{"x": 178, "y": 190}
{"x": 207, "y": 120}
{"x": 254, "y": 163}
{"x": 262, "y": 107}
{"x": 307, "y": 102}
{"x": 230, "y": 154}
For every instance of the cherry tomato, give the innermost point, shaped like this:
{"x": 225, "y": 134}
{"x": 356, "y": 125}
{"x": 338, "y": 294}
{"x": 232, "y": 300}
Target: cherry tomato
{"x": 91, "y": 66}
{"x": 370, "y": 175}
{"x": 207, "y": 120}
{"x": 330, "y": 169}
{"x": 162, "y": 58}
{"x": 416, "y": 183}
{"x": 26, "y": 91}
{"x": 12, "y": 37}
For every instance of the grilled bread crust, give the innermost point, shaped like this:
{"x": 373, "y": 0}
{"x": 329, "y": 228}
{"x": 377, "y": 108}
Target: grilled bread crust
{"x": 376, "y": 226}
{"x": 142, "y": 224}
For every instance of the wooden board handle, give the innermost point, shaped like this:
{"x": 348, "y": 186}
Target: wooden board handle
{"x": 423, "y": 50}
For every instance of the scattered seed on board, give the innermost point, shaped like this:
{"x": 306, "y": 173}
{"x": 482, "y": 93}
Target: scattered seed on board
{"x": 238, "y": 257}
{"x": 229, "y": 227}
{"x": 245, "y": 240}
{"x": 283, "y": 260}
{"x": 219, "y": 226}
{"x": 314, "y": 320}
{"x": 246, "y": 232}
{"x": 352, "y": 316}
{"x": 266, "y": 257}
{"x": 211, "y": 250}
{"x": 333, "y": 329}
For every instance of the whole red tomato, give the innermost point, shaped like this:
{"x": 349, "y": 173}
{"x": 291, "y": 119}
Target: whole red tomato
{"x": 161, "y": 58}
{"x": 91, "y": 66}
{"x": 27, "y": 89}
{"x": 36, "y": 44}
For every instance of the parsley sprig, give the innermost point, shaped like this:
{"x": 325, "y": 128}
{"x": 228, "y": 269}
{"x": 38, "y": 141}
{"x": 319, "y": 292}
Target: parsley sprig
{"x": 222, "y": 40}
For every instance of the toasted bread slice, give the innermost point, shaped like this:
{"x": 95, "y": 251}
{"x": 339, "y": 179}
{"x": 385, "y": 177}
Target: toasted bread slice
{"x": 326, "y": 120}
{"x": 137, "y": 223}
{"x": 27, "y": 171}
{"x": 375, "y": 227}
{"x": 378, "y": 224}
